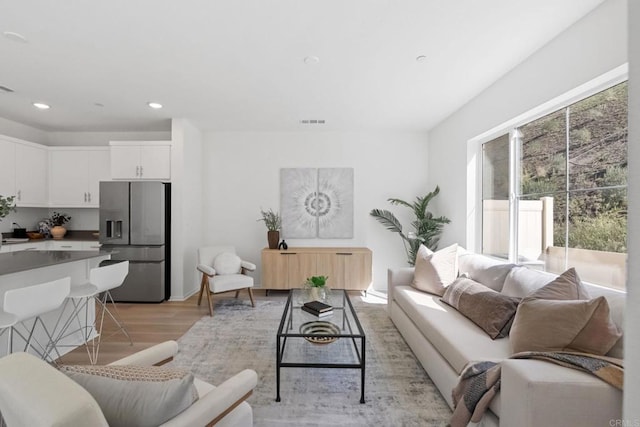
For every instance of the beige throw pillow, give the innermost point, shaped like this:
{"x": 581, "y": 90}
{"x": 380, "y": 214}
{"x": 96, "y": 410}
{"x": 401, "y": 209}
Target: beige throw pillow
{"x": 136, "y": 395}
{"x": 566, "y": 286}
{"x": 490, "y": 310}
{"x": 434, "y": 271}
{"x": 557, "y": 325}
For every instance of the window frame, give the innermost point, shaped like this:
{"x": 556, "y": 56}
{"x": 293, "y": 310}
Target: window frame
{"x": 475, "y": 156}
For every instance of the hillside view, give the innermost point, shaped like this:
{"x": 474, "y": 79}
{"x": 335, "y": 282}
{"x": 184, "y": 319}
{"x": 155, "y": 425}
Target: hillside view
{"x": 592, "y": 167}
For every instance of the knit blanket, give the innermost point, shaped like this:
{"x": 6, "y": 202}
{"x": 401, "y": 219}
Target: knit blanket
{"x": 480, "y": 381}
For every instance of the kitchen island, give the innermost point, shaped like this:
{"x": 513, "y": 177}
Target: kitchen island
{"x": 25, "y": 268}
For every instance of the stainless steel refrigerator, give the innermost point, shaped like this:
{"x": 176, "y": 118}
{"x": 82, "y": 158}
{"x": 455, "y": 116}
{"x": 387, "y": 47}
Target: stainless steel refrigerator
{"x": 135, "y": 225}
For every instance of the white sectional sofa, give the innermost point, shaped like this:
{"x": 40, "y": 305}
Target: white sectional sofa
{"x": 533, "y": 393}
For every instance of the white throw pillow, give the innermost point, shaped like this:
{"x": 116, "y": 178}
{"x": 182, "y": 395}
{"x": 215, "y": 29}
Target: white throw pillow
{"x": 227, "y": 263}
{"x": 434, "y": 271}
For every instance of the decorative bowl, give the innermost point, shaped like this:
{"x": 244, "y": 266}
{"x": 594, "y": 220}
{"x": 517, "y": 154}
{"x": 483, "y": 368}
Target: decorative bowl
{"x": 319, "y": 327}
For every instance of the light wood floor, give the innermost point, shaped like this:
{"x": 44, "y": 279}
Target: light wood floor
{"x": 150, "y": 324}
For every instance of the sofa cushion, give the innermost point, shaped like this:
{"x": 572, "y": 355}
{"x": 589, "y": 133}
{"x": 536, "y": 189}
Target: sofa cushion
{"x": 557, "y": 325}
{"x": 490, "y": 310}
{"x": 455, "y": 337}
{"x": 617, "y": 302}
{"x": 136, "y": 395}
{"x": 522, "y": 281}
{"x": 566, "y": 286}
{"x": 434, "y": 271}
{"x": 488, "y": 271}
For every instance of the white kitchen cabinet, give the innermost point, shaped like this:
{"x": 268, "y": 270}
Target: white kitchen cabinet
{"x": 65, "y": 245}
{"x": 141, "y": 160}
{"x": 91, "y": 246}
{"x": 28, "y": 246}
{"x": 75, "y": 175}
{"x": 23, "y": 173}
{"x": 8, "y": 168}
{"x": 31, "y": 175}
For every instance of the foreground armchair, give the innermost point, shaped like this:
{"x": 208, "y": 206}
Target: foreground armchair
{"x": 35, "y": 394}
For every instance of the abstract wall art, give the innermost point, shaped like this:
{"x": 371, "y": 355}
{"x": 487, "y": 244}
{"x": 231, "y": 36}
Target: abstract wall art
{"x": 316, "y": 202}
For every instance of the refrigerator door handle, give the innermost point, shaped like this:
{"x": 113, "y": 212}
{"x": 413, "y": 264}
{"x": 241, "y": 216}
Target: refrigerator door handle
{"x": 119, "y": 229}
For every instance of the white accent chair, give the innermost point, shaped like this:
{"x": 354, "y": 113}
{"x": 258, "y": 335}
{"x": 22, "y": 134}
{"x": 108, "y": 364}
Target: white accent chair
{"x": 35, "y": 394}
{"x": 27, "y": 304}
{"x": 101, "y": 281}
{"x": 223, "y": 271}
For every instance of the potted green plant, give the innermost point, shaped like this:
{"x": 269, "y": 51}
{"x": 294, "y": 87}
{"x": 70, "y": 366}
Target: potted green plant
{"x": 427, "y": 227}
{"x": 6, "y": 207}
{"x": 57, "y": 221}
{"x": 273, "y": 221}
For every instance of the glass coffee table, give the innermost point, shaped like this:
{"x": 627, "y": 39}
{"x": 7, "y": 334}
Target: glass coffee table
{"x": 305, "y": 340}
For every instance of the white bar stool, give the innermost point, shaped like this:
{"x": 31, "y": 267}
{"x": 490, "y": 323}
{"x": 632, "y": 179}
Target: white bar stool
{"x": 31, "y": 302}
{"x": 101, "y": 281}
{"x": 7, "y": 321}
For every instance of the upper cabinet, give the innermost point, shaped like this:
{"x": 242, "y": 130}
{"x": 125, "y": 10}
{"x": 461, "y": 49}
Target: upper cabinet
{"x": 141, "y": 160}
{"x": 8, "y": 168}
{"x": 75, "y": 175}
{"x": 24, "y": 172}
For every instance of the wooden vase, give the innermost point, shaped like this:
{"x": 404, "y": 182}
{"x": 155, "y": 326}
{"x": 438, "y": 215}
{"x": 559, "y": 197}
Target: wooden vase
{"x": 273, "y": 238}
{"x": 58, "y": 232}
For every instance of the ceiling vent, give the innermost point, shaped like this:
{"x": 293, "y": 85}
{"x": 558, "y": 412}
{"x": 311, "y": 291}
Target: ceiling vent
{"x": 5, "y": 89}
{"x": 312, "y": 122}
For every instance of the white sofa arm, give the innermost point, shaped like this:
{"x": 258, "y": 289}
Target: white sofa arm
{"x": 218, "y": 402}
{"x": 544, "y": 394}
{"x": 398, "y": 277}
{"x": 154, "y": 355}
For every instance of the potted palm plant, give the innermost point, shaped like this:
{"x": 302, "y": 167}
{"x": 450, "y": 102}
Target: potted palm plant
{"x": 273, "y": 221}
{"x": 427, "y": 227}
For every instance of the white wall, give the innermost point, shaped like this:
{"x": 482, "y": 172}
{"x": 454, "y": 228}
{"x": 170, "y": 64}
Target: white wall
{"x": 242, "y": 175}
{"x": 186, "y": 206}
{"x": 591, "y": 47}
{"x": 20, "y": 131}
{"x": 632, "y": 341}
{"x": 27, "y": 218}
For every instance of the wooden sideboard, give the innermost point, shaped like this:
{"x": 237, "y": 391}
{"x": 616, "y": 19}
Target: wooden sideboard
{"x": 347, "y": 268}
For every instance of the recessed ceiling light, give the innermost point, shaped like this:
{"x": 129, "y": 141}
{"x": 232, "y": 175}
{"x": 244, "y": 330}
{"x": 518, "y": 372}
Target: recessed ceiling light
{"x": 41, "y": 105}
{"x": 311, "y": 60}
{"x": 421, "y": 58}
{"x": 154, "y": 105}
{"x": 16, "y": 37}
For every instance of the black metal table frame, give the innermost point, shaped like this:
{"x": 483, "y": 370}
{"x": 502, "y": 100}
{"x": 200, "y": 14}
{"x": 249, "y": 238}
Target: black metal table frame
{"x": 282, "y": 341}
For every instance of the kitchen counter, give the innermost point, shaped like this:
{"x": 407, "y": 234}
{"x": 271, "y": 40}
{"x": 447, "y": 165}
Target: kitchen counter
{"x": 26, "y": 268}
{"x": 71, "y": 236}
{"x": 14, "y": 262}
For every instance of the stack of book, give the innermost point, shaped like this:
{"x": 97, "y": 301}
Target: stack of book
{"x": 318, "y": 308}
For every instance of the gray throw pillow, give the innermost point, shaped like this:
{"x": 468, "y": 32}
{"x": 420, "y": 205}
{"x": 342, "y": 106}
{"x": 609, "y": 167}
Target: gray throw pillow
{"x": 490, "y": 310}
{"x": 136, "y": 395}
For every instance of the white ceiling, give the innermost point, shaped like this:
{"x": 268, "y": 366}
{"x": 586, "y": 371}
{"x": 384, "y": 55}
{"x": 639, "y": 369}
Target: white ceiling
{"x": 239, "y": 64}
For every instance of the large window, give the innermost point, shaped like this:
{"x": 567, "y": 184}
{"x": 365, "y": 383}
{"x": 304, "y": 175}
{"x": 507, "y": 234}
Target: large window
{"x": 555, "y": 190}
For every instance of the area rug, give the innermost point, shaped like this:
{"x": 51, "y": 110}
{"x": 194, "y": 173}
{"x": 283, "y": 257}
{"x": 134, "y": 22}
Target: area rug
{"x": 398, "y": 392}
